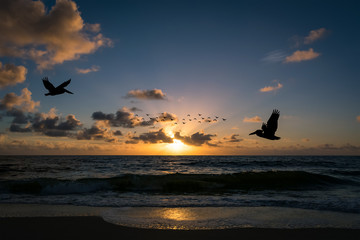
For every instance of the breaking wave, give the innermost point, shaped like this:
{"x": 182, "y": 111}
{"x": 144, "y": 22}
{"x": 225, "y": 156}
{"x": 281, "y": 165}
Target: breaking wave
{"x": 176, "y": 183}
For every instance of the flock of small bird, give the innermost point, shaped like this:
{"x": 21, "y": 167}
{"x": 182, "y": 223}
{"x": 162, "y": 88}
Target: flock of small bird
{"x": 267, "y": 129}
{"x": 199, "y": 118}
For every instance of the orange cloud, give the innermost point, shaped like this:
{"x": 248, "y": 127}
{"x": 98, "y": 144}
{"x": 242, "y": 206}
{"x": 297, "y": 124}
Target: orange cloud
{"x": 196, "y": 139}
{"x": 24, "y": 101}
{"x": 154, "y": 94}
{"x": 98, "y": 131}
{"x": 88, "y": 70}
{"x": 233, "y": 138}
{"x": 152, "y": 137}
{"x": 315, "y": 35}
{"x": 11, "y": 74}
{"x": 358, "y": 118}
{"x": 28, "y": 31}
{"x": 271, "y": 88}
{"x": 299, "y": 56}
{"x": 253, "y": 119}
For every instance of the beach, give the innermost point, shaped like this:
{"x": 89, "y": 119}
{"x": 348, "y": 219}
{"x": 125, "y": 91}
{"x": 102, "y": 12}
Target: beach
{"x": 179, "y": 197}
{"x": 96, "y": 228}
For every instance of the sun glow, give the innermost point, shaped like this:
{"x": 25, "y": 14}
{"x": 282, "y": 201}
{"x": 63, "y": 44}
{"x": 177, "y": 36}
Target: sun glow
{"x": 177, "y": 145}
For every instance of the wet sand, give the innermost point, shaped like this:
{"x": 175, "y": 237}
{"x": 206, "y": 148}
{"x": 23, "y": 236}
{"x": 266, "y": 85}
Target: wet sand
{"x": 96, "y": 228}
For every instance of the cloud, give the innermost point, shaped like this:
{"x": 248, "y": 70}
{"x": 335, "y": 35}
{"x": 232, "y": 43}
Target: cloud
{"x": 11, "y": 74}
{"x": 98, "y": 132}
{"x": 49, "y": 124}
{"x": 122, "y": 118}
{"x": 53, "y": 126}
{"x": 127, "y": 119}
{"x": 167, "y": 117}
{"x": 88, "y": 70}
{"x": 154, "y": 94}
{"x": 29, "y": 31}
{"x": 93, "y": 27}
{"x": 358, "y": 118}
{"x": 315, "y": 35}
{"x": 23, "y": 102}
{"x": 299, "y": 56}
{"x": 151, "y": 137}
{"x": 253, "y": 119}
{"x": 271, "y": 88}
{"x": 274, "y": 56}
{"x": 345, "y": 147}
{"x": 19, "y": 117}
{"x": 14, "y": 146}
{"x": 233, "y": 138}
{"x": 196, "y": 139}
{"x": 17, "y": 128}
{"x": 117, "y": 133}
{"x": 135, "y": 109}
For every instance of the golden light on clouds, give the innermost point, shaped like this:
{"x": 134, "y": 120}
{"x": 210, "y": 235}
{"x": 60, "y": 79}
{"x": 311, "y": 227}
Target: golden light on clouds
{"x": 299, "y": 56}
{"x": 271, "y": 88}
{"x": 177, "y": 146}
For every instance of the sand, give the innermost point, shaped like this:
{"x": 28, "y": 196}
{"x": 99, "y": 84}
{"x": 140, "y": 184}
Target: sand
{"x": 66, "y": 228}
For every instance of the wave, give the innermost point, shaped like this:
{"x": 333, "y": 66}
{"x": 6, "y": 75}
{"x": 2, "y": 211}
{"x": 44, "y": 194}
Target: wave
{"x": 176, "y": 183}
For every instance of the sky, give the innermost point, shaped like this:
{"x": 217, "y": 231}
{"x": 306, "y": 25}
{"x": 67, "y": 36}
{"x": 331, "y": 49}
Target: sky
{"x": 179, "y": 77}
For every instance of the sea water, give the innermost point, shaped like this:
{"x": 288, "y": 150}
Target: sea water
{"x": 163, "y": 191}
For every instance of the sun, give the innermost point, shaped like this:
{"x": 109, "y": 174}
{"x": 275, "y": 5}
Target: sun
{"x": 177, "y": 145}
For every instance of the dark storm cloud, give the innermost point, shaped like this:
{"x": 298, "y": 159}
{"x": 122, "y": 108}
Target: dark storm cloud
{"x": 196, "y": 139}
{"x": 151, "y": 137}
{"x": 154, "y": 94}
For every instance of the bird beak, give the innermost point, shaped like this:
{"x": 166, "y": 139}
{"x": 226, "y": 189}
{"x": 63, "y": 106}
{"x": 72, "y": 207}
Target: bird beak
{"x": 252, "y": 133}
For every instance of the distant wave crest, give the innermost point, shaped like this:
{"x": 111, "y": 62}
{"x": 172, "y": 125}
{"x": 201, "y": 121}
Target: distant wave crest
{"x": 176, "y": 183}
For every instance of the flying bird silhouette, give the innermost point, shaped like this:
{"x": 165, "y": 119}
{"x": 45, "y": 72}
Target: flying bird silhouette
{"x": 268, "y": 130}
{"x": 55, "y": 90}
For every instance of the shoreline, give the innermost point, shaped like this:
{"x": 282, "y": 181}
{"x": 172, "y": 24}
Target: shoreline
{"x": 92, "y": 227}
{"x": 192, "y": 218}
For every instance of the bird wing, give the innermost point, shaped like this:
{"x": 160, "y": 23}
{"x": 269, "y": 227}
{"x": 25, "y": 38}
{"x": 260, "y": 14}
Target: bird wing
{"x": 272, "y": 123}
{"x": 64, "y": 84}
{"x": 263, "y": 127}
{"x": 48, "y": 84}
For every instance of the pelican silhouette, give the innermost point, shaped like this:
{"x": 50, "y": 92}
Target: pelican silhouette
{"x": 55, "y": 90}
{"x": 268, "y": 130}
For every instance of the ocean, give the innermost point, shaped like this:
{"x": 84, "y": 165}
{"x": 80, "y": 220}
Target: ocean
{"x": 221, "y": 184}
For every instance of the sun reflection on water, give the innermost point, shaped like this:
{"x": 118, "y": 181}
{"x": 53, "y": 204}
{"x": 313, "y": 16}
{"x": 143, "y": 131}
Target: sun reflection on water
{"x": 178, "y": 214}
